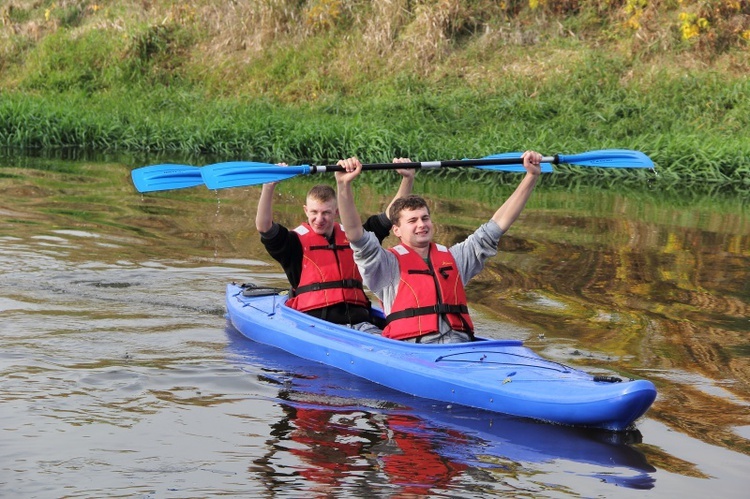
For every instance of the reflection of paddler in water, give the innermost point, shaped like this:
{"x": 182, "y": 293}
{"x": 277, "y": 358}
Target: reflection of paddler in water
{"x": 341, "y": 445}
{"x": 352, "y": 450}
{"x": 331, "y": 443}
{"x": 417, "y": 466}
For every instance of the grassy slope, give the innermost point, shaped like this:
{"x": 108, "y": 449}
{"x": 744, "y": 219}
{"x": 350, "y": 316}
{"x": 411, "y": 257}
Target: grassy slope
{"x": 322, "y": 79}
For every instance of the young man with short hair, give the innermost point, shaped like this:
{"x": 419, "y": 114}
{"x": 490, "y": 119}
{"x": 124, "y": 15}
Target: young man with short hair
{"x": 421, "y": 283}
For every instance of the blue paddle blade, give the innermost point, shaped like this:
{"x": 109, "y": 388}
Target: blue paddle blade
{"x": 243, "y": 173}
{"x": 165, "y": 177}
{"x": 546, "y": 167}
{"x": 608, "y": 158}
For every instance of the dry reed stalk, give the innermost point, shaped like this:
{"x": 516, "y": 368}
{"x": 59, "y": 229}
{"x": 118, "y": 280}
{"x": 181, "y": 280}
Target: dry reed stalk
{"x": 250, "y": 25}
{"x": 428, "y": 37}
{"x": 382, "y": 28}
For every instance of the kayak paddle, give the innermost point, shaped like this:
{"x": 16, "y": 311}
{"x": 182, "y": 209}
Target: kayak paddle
{"x": 166, "y": 177}
{"x": 244, "y": 173}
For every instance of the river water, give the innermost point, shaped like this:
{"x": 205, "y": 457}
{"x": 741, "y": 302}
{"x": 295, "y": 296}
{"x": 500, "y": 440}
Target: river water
{"x": 122, "y": 378}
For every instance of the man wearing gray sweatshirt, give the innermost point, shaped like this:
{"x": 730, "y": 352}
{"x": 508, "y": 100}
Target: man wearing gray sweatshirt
{"x": 420, "y": 283}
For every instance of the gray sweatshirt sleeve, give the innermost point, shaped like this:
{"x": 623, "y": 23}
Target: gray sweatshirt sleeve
{"x": 471, "y": 254}
{"x": 379, "y": 268}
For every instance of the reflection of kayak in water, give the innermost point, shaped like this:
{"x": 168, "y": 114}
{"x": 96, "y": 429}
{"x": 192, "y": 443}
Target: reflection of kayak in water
{"x": 499, "y": 376}
{"x": 396, "y": 425}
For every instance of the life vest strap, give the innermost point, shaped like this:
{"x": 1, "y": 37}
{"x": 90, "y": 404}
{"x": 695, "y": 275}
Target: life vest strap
{"x": 336, "y": 247}
{"x": 317, "y": 286}
{"x": 441, "y": 308}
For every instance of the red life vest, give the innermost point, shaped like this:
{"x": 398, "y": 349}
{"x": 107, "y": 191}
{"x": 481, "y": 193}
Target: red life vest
{"x": 425, "y": 293}
{"x": 329, "y": 275}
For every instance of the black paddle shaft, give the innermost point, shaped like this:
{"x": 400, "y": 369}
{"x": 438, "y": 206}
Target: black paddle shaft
{"x": 433, "y": 164}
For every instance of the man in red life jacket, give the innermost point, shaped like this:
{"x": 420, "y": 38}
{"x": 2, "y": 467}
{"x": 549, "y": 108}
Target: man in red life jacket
{"x": 317, "y": 258}
{"x": 420, "y": 283}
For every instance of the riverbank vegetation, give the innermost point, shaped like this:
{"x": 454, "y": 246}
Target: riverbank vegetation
{"x": 317, "y": 80}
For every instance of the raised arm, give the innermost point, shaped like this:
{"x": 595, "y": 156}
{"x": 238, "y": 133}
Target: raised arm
{"x": 407, "y": 182}
{"x": 264, "y": 215}
{"x": 348, "y": 213}
{"x": 513, "y": 206}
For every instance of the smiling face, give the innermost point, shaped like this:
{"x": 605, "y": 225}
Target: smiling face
{"x": 415, "y": 228}
{"x": 321, "y": 215}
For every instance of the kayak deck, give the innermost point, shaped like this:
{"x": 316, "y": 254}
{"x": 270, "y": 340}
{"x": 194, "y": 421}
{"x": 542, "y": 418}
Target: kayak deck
{"x": 497, "y": 375}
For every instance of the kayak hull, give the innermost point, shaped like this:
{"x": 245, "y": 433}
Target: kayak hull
{"x": 497, "y": 375}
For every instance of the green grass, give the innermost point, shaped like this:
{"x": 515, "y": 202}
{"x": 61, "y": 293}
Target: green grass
{"x": 176, "y": 79}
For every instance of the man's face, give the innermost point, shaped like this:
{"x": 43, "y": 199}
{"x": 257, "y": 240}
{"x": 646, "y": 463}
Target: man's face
{"x": 414, "y": 228}
{"x": 321, "y": 215}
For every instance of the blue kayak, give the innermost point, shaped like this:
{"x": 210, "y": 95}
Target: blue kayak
{"x": 496, "y": 375}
